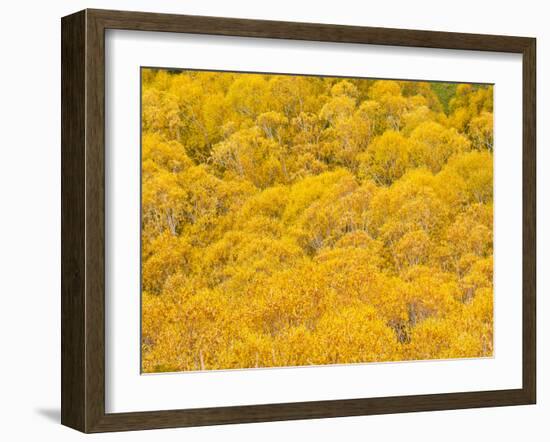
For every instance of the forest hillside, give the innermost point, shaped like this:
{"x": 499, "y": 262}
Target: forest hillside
{"x": 295, "y": 220}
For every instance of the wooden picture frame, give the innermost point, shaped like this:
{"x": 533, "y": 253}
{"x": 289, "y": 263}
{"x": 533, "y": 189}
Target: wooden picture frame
{"x": 83, "y": 220}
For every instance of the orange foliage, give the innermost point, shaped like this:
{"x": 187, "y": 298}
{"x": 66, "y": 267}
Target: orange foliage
{"x": 291, "y": 220}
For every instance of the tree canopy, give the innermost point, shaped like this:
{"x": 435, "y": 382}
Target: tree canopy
{"x": 297, "y": 220}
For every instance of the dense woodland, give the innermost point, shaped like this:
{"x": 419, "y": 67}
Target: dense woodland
{"x": 294, "y": 220}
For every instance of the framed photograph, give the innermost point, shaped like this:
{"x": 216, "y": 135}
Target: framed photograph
{"x": 267, "y": 221}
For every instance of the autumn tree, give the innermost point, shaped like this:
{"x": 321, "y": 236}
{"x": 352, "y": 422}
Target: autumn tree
{"x": 299, "y": 220}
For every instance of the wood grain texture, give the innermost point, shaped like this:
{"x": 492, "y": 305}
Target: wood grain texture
{"x": 145, "y": 21}
{"x": 83, "y": 219}
{"x": 529, "y": 220}
{"x": 73, "y": 129}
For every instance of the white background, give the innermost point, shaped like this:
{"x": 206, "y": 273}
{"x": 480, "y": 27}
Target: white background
{"x": 30, "y": 232}
{"x": 128, "y": 391}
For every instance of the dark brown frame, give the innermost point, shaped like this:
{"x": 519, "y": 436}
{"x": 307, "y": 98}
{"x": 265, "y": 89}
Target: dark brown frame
{"x": 83, "y": 215}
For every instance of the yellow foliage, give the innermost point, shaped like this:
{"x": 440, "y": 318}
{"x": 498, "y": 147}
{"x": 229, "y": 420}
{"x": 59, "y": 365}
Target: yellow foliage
{"x": 293, "y": 220}
{"x": 386, "y": 159}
